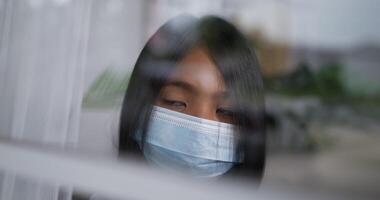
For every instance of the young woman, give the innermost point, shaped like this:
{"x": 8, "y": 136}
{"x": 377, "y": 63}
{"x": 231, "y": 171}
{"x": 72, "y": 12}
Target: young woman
{"x": 195, "y": 101}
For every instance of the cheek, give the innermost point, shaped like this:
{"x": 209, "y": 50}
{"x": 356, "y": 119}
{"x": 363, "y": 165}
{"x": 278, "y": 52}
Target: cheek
{"x": 225, "y": 119}
{"x": 157, "y": 102}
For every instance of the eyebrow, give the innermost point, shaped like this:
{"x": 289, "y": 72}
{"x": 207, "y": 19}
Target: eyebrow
{"x": 191, "y": 88}
{"x": 181, "y": 84}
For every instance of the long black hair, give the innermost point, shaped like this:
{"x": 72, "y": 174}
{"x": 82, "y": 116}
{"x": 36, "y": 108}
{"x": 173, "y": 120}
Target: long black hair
{"x": 235, "y": 59}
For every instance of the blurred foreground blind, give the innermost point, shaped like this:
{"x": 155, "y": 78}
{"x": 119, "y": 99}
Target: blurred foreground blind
{"x": 47, "y": 49}
{"x": 127, "y": 179}
{"x": 50, "y": 50}
{"x": 42, "y": 56}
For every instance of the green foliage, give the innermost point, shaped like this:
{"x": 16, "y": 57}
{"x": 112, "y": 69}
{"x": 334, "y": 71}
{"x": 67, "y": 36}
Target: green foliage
{"x": 329, "y": 81}
{"x": 107, "y": 90}
{"x": 326, "y": 82}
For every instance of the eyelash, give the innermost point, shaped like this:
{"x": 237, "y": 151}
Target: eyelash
{"x": 224, "y": 111}
{"x": 174, "y": 103}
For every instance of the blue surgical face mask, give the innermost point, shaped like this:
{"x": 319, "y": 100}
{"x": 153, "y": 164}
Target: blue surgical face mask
{"x": 177, "y": 141}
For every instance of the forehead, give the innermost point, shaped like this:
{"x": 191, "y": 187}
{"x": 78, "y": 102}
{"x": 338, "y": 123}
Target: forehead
{"x": 197, "y": 69}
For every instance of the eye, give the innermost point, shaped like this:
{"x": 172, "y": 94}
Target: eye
{"x": 175, "y": 104}
{"x": 225, "y": 112}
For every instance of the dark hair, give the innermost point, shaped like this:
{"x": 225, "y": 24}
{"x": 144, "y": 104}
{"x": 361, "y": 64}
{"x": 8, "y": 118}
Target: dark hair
{"x": 235, "y": 59}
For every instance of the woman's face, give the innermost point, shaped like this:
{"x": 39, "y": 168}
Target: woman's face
{"x": 196, "y": 87}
